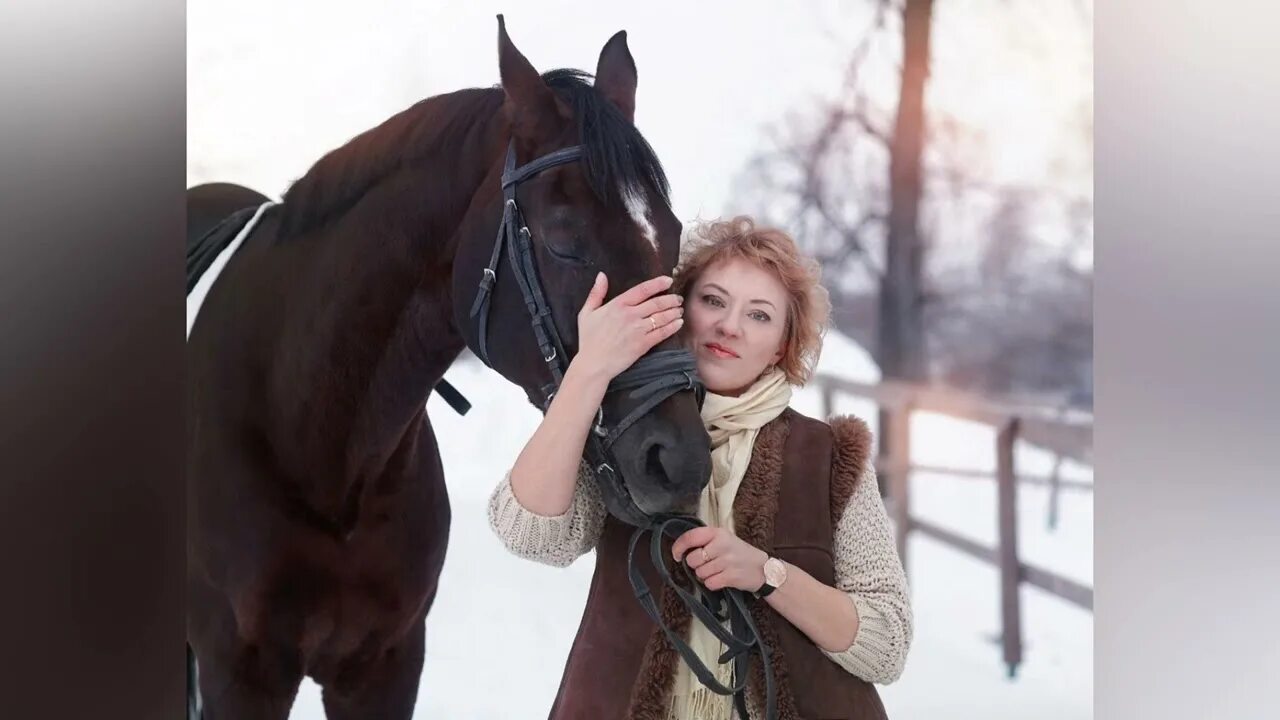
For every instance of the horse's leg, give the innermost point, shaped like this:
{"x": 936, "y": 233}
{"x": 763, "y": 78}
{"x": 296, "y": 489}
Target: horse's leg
{"x": 385, "y": 690}
{"x": 249, "y": 682}
{"x": 239, "y": 680}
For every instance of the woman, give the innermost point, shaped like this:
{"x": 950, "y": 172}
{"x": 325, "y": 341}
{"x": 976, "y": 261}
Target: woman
{"x": 792, "y": 510}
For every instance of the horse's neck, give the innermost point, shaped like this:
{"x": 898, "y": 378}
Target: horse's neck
{"x": 392, "y": 331}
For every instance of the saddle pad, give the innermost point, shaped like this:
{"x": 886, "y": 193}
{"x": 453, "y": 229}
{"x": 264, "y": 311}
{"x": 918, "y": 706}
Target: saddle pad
{"x": 209, "y": 253}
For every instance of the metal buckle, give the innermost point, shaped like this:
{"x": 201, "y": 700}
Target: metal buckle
{"x": 599, "y": 426}
{"x": 552, "y": 357}
{"x": 511, "y": 204}
{"x": 491, "y": 274}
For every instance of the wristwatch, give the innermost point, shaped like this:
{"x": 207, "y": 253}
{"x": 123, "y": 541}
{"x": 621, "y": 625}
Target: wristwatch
{"x": 775, "y": 573}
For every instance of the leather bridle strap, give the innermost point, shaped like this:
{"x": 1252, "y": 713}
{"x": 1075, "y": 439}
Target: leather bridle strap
{"x": 651, "y": 379}
{"x": 521, "y": 261}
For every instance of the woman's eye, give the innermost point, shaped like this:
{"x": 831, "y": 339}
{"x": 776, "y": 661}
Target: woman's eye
{"x": 712, "y": 300}
{"x": 761, "y": 316}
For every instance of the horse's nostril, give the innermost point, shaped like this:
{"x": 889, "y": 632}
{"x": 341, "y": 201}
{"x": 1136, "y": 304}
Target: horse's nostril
{"x": 653, "y": 461}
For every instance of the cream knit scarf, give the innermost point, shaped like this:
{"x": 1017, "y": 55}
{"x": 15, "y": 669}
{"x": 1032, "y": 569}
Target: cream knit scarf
{"x": 733, "y": 423}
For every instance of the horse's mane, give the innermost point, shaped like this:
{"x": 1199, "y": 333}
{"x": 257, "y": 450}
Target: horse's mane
{"x": 618, "y": 158}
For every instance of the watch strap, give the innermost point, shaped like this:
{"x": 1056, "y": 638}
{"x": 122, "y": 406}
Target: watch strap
{"x": 764, "y": 590}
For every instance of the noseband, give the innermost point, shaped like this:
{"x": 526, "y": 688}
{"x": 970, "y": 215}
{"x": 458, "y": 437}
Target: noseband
{"x": 656, "y": 376}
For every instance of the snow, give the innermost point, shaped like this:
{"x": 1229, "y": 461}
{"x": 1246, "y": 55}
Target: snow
{"x": 492, "y": 603}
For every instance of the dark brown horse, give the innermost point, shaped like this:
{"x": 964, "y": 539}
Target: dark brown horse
{"x": 317, "y": 510}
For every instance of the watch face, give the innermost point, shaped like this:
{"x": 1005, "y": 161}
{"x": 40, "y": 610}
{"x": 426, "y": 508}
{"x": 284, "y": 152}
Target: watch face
{"x": 774, "y": 572}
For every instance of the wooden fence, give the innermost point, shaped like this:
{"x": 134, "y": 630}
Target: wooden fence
{"x": 1068, "y": 434}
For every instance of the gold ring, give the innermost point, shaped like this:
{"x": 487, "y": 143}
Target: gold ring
{"x": 653, "y": 324}
{"x": 705, "y": 559}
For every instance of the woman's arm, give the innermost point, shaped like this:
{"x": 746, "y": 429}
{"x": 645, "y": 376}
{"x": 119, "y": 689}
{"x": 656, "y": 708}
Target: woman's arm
{"x": 820, "y": 611}
{"x": 611, "y": 336}
{"x": 547, "y": 508}
{"x": 556, "y": 540}
{"x": 864, "y": 622}
{"x": 546, "y": 471}
{"x": 869, "y": 573}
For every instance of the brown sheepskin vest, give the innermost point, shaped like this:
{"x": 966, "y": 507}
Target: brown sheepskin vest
{"x": 800, "y": 478}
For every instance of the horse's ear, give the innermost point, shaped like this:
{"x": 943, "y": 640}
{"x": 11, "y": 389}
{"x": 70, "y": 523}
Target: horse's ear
{"x": 531, "y": 106}
{"x": 616, "y": 75}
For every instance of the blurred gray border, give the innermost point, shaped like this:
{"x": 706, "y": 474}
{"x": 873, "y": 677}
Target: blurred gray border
{"x": 1188, "y": 349}
{"x": 1188, "y": 339}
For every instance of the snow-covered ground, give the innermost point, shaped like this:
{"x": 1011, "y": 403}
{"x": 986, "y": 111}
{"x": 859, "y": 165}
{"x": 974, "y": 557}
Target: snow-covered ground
{"x": 492, "y": 604}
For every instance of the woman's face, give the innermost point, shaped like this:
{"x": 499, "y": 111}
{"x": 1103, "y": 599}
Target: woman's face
{"x": 736, "y": 315}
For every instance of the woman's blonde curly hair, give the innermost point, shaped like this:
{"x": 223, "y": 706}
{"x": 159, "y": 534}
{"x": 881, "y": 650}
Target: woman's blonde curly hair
{"x": 771, "y": 249}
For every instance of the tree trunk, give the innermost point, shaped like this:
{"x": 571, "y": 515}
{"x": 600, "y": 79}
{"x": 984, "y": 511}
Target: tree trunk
{"x": 901, "y": 348}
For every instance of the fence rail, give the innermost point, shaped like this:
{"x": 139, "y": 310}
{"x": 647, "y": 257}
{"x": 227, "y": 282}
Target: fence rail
{"x": 1069, "y": 434}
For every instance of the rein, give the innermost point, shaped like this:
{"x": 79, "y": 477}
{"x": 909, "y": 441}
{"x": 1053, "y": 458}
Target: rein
{"x": 710, "y": 607}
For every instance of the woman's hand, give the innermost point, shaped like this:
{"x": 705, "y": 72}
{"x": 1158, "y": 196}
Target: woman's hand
{"x": 613, "y": 335}
{"x": 721, "y": 559}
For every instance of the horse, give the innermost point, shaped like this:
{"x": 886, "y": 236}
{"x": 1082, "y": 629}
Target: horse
{"x": 318, "y": 517}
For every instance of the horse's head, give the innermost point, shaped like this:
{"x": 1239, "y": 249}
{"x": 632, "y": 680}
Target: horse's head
{"x": 603, "y": 210}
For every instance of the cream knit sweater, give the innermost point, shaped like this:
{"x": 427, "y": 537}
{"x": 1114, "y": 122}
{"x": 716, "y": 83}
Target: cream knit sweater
{"x": 867, "y": 566}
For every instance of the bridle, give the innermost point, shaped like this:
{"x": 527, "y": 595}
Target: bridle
{"x": 653, "y": 378}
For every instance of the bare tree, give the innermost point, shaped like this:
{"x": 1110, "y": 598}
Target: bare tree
{"x": 901, "y": 329}
{"x": 940, "y": 272}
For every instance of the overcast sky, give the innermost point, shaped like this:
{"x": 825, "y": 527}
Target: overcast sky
{"x": 274, "y": 84}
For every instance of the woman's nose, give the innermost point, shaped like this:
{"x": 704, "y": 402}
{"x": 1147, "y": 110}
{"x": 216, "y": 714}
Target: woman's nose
{"x": 729, "y": 327}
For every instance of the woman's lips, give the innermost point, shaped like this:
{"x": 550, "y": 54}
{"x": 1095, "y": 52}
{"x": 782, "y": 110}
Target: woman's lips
{"x": 720, "y": 351}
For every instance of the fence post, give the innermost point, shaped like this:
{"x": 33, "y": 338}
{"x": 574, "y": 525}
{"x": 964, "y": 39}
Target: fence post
{"x": 1007, "y": 517}
{"x": 1055, "y": 492}
{"x": 828, "y": 401}
{"x": 899, "y": 474}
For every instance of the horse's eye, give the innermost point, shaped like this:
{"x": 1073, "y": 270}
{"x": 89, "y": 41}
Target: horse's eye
{"x": 565, "y": 255}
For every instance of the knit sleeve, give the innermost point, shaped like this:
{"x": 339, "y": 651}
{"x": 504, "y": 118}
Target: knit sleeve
{"x": 869, "y": 570}
{"x": 551, "y": 540}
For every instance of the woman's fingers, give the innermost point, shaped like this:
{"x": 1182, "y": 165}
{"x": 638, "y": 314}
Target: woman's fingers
{"x": 658, "y": 304}
{"x": 718, "y": 581}
{"x": 644, "y": 291}
{"x": 665, "y": 331}
{"x": 707, "y": 569}
{"x": 595, "y": 298}
{"x": 660, "y": 319}
{"x": 691, "y": 538}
